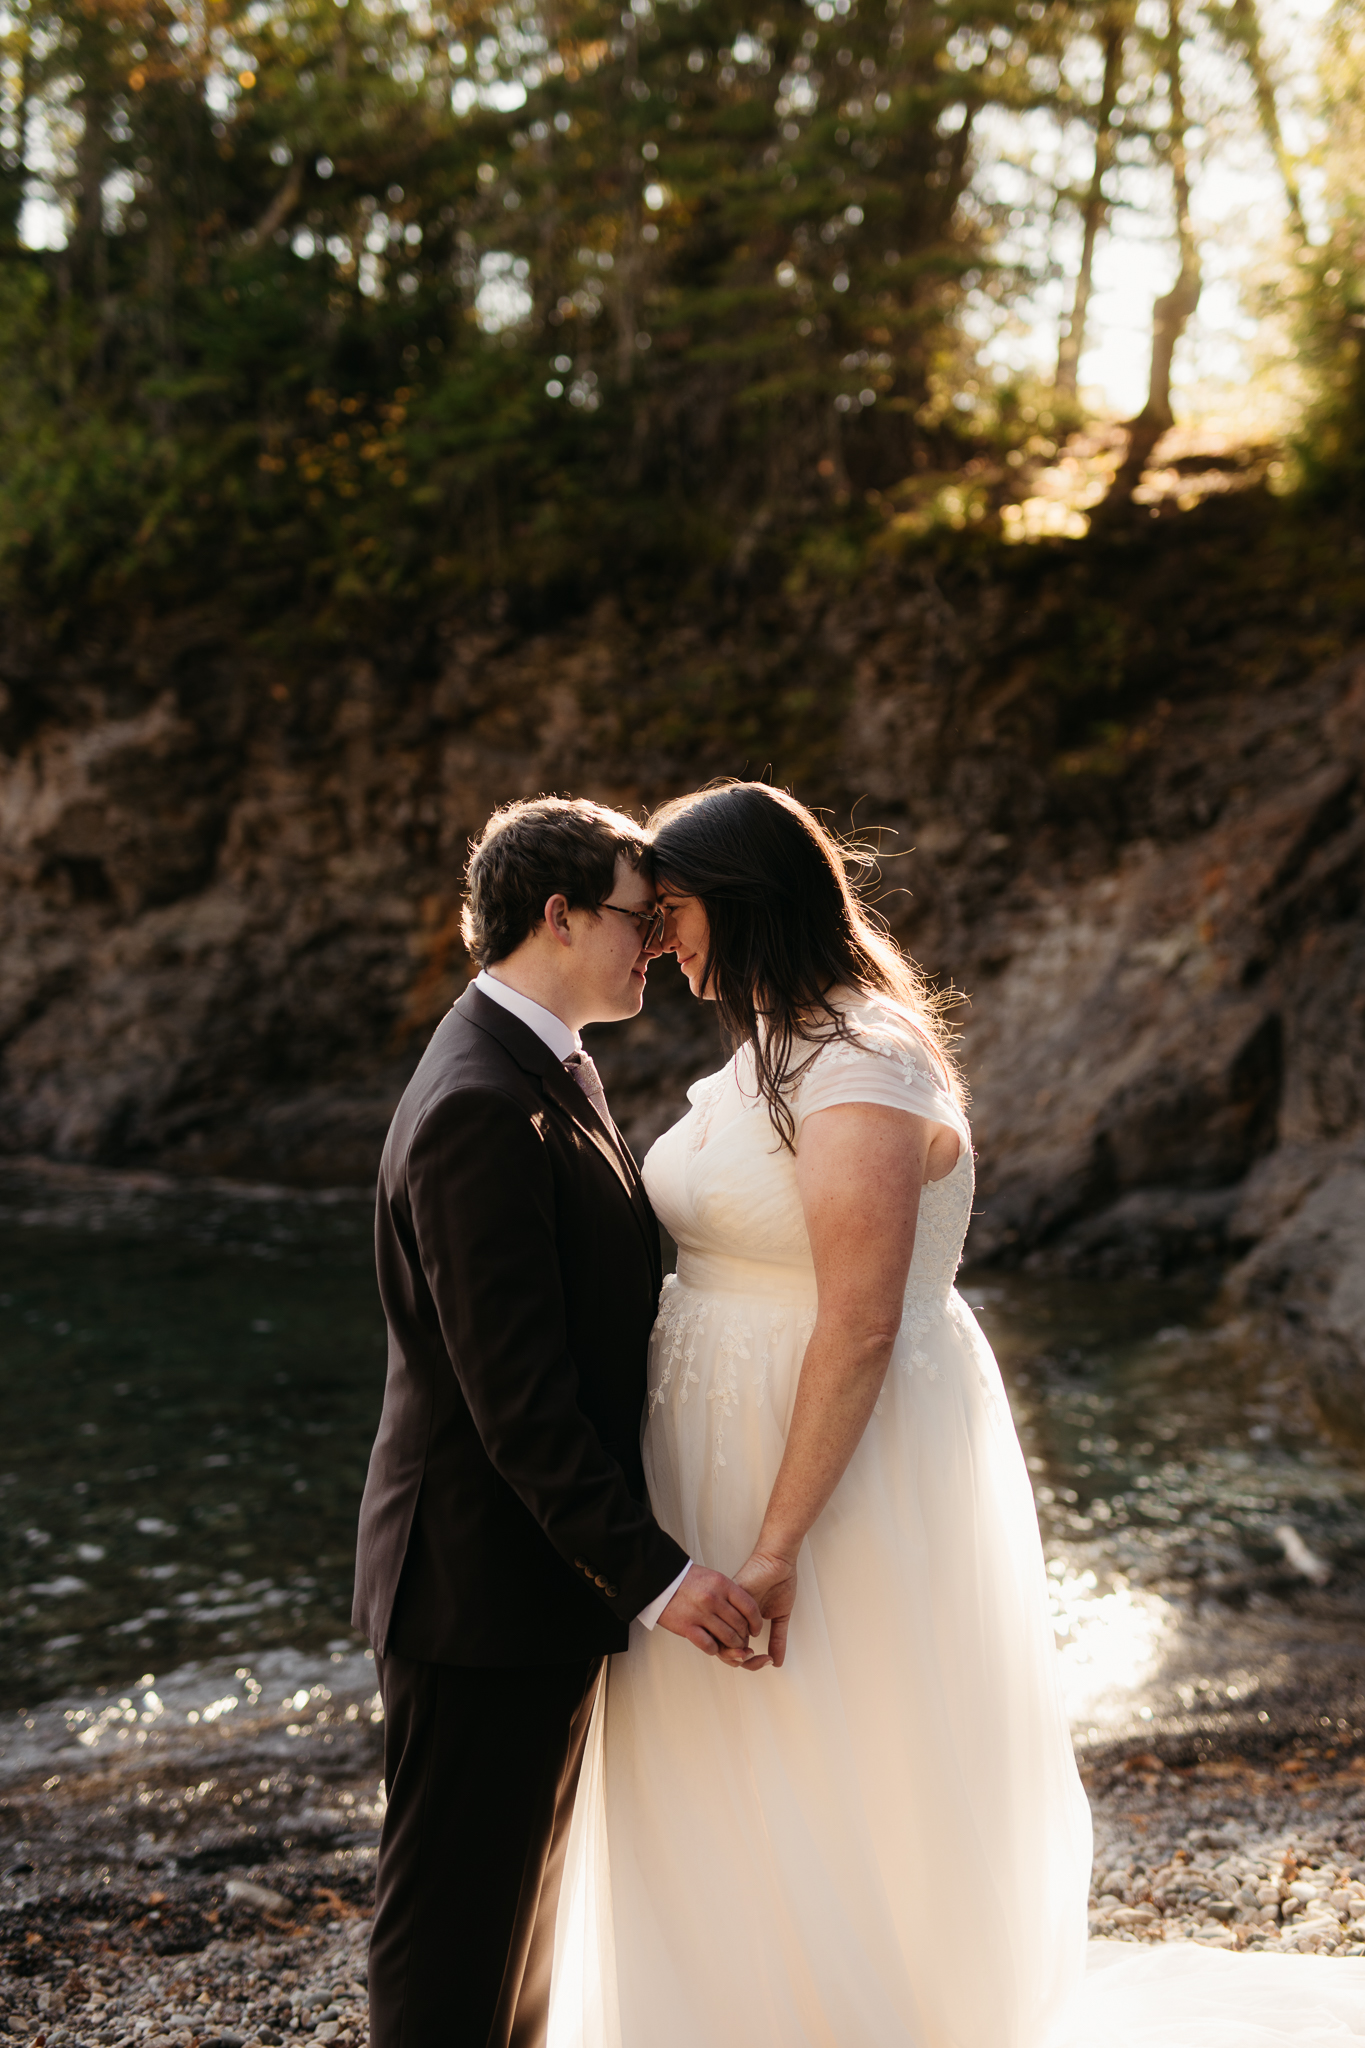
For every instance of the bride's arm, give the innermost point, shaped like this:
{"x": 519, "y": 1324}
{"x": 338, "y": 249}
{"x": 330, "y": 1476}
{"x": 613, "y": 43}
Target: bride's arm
{"x": 860, "y": 1169}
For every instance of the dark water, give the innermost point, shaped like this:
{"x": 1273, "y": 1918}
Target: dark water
{"x": 1206, "y": 1548}
{"x": 189, "y": 1383}
{"x": 1159, "y": 1446}
{"x": 190, "y": 1380}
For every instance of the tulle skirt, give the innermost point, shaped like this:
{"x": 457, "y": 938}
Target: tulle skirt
{"x": 885, "y": 1844}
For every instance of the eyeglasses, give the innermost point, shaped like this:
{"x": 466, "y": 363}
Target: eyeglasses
{"x": 649, "y": 923}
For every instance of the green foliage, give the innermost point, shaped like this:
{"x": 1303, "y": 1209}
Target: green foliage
{"x": 363, "y": 302}
{"x": 1331, "y": 323}
{"x": 390, "y": 298}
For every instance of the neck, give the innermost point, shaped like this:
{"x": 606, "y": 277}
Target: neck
{"x": 528, "y": 979}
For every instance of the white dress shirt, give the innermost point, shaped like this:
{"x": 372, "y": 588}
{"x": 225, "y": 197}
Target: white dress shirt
{"x": 562, "y": 1041}
{"x": 551, "y": 1030}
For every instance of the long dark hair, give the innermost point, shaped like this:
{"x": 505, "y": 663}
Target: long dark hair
{"x": 787, "y": 928}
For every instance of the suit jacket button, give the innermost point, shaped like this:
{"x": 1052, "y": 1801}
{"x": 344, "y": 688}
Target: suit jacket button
{"x": 599, "y": 1580}
{"x": 611, "y": 1591}
{"x": 579, "y": 1565}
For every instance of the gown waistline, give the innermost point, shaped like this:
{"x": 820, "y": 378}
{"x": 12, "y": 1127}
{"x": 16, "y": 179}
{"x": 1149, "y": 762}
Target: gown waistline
{"x": 714, "y": 1273}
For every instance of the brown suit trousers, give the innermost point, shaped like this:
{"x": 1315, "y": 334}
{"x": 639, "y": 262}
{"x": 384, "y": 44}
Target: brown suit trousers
{"x": 480, "y": 1769}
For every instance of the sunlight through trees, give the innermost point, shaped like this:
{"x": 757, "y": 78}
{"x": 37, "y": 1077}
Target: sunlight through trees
{"x": 380, "y": 292}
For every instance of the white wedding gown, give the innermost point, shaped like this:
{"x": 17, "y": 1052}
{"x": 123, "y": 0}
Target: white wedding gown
{"x": 885, "y": 1844}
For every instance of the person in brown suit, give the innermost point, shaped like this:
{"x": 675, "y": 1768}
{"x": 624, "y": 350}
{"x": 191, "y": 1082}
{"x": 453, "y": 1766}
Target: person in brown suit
{"x": 506, "y": 1543}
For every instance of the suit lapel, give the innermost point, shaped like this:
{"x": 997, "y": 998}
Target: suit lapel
{"x": 532, "y": 1054}
{"x": 622, "y": 1155}
{"x": 649, "y": 1222}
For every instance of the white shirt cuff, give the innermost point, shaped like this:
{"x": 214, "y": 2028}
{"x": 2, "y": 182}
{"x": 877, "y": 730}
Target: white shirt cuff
{"x": 649, "y": 1615}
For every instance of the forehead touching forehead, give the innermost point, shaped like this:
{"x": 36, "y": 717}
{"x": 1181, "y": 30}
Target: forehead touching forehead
{"x": 631, "y": 887}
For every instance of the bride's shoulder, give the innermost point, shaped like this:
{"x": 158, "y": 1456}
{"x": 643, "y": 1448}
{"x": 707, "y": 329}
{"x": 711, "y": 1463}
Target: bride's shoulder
{"x": 877, "y": 1027}
{"x": 877, "y": 1051}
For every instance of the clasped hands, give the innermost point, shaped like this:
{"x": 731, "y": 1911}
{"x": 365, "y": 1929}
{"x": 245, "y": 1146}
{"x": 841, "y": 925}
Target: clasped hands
{"x": 719, "y": 1615}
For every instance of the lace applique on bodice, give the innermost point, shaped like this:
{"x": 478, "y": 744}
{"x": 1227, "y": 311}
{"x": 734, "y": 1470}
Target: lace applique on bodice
{"x": 704, "y": 1096}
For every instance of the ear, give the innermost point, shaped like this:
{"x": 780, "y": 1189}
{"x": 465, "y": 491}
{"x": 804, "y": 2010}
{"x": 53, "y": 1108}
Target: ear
{"x": 557, "y": 920}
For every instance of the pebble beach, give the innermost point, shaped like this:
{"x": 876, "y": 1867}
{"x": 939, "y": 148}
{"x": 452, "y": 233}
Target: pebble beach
{"x": 193, "y": 1864}
{"x": 1232, "y": 1853}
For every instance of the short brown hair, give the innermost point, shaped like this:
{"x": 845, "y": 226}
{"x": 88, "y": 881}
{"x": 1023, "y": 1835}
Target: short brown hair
{"x": 530, "y": 851}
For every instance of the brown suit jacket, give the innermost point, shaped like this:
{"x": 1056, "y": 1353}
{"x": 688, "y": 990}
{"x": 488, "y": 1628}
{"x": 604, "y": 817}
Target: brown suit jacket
{"x": 504, "y": 1520}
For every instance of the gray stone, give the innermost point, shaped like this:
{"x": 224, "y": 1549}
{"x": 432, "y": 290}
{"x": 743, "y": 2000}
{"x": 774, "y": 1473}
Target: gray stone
{"x": 242, "y": 1891}
{"x": 1307, "y": 1276}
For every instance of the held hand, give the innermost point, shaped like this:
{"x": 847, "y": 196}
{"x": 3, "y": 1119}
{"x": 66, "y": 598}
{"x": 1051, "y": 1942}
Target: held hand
{"x": 771, "y": 1578}
{"x": 716, "y": 1616}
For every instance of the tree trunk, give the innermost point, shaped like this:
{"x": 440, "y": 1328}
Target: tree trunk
{"x": 629, "y": 244}
{"x": 1113, "y": 37}
{"x": 959, "y": 170}
{"x": 89, "y": 256}
{"x": 161, "y": 298}
{"x": 1242, "y": 24}
{"x": 14, "y": 178}
{"x": 1172, "y": 312}
{"x": 281, "y": 206}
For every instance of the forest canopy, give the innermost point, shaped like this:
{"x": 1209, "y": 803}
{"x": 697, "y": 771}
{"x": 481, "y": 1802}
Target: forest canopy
{"x": 377, "y": 295}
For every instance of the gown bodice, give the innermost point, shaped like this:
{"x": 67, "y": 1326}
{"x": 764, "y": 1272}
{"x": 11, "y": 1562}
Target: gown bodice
{"x": 725, "y": 1186}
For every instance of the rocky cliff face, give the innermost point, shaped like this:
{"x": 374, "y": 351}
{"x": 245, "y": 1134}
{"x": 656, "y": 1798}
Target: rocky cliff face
{"x": 1128, "y": 782}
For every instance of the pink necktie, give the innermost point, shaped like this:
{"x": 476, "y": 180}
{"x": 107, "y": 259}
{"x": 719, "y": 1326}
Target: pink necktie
{"x": 580, "y": 1065}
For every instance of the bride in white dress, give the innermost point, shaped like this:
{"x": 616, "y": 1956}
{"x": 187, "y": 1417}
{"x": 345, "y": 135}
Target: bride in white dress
{"x": 877, "y": 1837}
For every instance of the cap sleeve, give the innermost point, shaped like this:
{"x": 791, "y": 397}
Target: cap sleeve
{"x": 891, "y": 1068}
